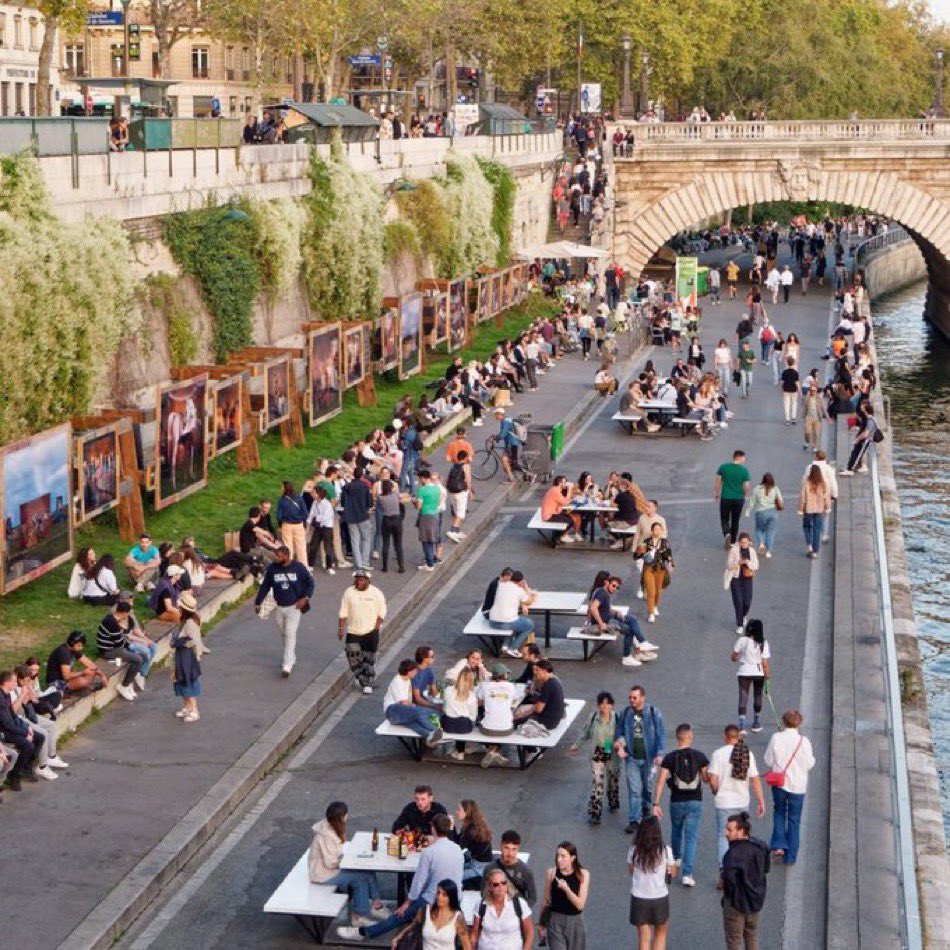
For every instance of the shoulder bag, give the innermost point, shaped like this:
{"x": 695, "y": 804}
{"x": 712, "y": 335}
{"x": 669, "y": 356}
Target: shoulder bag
{"x": 776, "y": 778}
{"x": 411, "y": 939}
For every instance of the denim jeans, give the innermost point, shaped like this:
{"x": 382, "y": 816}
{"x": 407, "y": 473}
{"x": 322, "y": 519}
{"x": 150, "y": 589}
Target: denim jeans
{"x": 725, "y": 378}
{"x": 147, "y": 651}
{"x": 766, "y": 351}
{"x": 428, "y": 549}
{"x": 786, "y": 822}
{"x": 362, "y": 886}
{"x": 396, "y": 920}
{"x": 520, "y": 628}
{"x": 631, "y": 631}
{"x": 722, "y": 818}
{"x": 685, "y": 818}
{"x": 378, "y": 530}
{"x": 741, "y": 590}
{"x": 415, "y": 717}
{"x": 361, "y": 541}
{"x": 745, "y": 381}
{"x": 409, "y": 471}
{"x": 639, "y": 788}
{"x": 812, "y": 526}
{"x": 765, "y": 524}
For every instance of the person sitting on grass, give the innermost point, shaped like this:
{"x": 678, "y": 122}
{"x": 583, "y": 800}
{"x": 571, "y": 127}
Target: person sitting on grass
{"x": 164, "y": 599}
{"x": 68, "y": 671}
{"x": 142, "y": 563}
{"x": 99, "y": 585}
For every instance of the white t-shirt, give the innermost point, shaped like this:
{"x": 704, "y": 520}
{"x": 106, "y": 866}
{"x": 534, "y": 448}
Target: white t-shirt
{"x": 751, "y": 656}
{"x": 732, "y": 793}
{"x": 400, "y": 689}
{"x": 104, "y": 583}
{"x": 497, "y": 698}
{"x": 649, "y": 885}
{"x": 502, "y": 931}
{"x": 787, "y": 278}
{"x": 722, "y": 356}
{"x": 508, "y": 600}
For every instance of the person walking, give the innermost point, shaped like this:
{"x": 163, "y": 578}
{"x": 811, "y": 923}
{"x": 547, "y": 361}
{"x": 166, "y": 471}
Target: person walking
{"x": 791, "y": 390}
{"x": 786, "y": 279}
{"x": 745, "y": 360}
{"x": 764, "y": 505}
{"x": 722, "y": 364}
{"x": 778, "y": 357}
{"x": 291, "y": 585}
{"x": 742, "y": 564}
{"x": 814, "y": 505}
{"x": 566, "y": 888}
{"x": 321, "y": 520}
{"x": 503, "y": 918}
{"x": 790, "y": 758}
{"x": 640, "y": 741}
{"x": 767, "y": 340}
{"x": 361, "y": 616}
{"x": 291, "y": 519}
{"x": 390, "y": 505}
{"x": 604, "y": 763}
{"x": 743, "y": 881}
{"x": 684, "y": 770}
{"x": 868, "y": 432}
{"x": 814, "y": 414}
{"x": 651, "y": 866}
{"x": 751, "y": 652}
{"x": 732, "y": 487}
{"x": 458, "y": 484}
{"x": 733, "y": 776}
{"x": 189, "y": 648}
{"x": 658, "y": 566}
{"x": 441, "y": 925}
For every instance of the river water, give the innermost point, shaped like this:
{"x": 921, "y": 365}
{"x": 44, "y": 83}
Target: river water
{"x": 915, "y": 368}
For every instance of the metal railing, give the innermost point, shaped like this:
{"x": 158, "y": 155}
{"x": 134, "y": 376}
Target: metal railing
{"x": 909, "y": 898}
{"x": 895, "y": 235}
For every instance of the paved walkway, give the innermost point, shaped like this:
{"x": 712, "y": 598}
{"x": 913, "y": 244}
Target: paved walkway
{"x": 220, "y": 903}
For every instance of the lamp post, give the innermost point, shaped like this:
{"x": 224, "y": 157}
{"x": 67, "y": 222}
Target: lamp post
{"x": 626, "y": 97}
{"x": 938, "y": 94}
{"x": 645, "y": 82}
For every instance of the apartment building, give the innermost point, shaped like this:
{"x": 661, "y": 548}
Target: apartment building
{"x": 21, "y": 33}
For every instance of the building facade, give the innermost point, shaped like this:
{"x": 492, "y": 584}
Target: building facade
{"x": 21, "y": 33}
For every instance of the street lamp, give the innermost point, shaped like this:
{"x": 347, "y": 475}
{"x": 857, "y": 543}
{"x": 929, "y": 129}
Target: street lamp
{"x": 645, "y": 82}
{"x": 938, "y": 97}
{"x": 626, "y": 98}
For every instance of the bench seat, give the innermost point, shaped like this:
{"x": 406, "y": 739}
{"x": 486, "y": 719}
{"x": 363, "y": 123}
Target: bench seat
{"x": 491, "y": 638}
{"x": 314, "y": 906}
{"x": 597, "y": 640}
{"x": 538, "y": 745}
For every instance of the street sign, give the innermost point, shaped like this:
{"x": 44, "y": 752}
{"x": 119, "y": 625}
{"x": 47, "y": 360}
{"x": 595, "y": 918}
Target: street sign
{"x": 383, "y": 43}
{"x": 104, "y": 18}
{"x": 364, "y": 59}
{"x": 215, "y": 105}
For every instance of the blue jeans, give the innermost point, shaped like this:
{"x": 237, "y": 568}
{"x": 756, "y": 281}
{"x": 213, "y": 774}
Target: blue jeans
{"x": 685, "y": 817}
{"x": 766, "y": 351}
{"x": 722, "y": 817}
{"x": 786, "y": 822}
{"x": 409, "y": 471}
{"x": 428, "y": 549}
{"x": 361, "y": 541}
{"x": 145, "y": 650}
{"x": 415, "y": 717}
{"x": 725, "y": 378}
{"x": 765, "y": 524}
{"x": 745, "y": 381}
{"x": 812, "y": 526}
{"x": 639, "y": 788}
{"x": 631, "y": 631}
{"x": 520, "y": 628}
{"x": 362, "y": 886}
{"x": 395, "y": 920}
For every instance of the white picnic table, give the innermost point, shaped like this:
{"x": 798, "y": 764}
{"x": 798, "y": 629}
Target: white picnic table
{"x": 550, "y": 602}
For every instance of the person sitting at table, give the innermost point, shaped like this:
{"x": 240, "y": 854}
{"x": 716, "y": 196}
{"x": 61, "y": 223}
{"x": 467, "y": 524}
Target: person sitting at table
{"x": 461, "y": 710}
{"x": 323, "y": 862}
{"x": 604, "y": 381}
{"x": 400, "y": 710}
{"x": 472, "y": 834}
{"x": 509, "y": 611}
{"x": 687, "y": 409}
{"x": 418, "y": 814}
{"x": 530, "y": 653}
{"x": 497, "y": 698}
{"x": 424, "y": 688}
{"x": 548, "y": 708}
{"x": 602, "y": 615}
{"x": 553, "y": 508}
{"x": 630, "y": 502}
{"x": 630, "y": 406}
{"x": 440, "y": 861}
{"x": 471, "y": 661}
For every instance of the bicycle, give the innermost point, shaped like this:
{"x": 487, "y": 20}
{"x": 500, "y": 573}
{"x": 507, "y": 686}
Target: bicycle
{"x": 487, "y": 461}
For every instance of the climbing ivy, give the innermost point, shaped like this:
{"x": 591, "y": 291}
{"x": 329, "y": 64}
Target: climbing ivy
{"x": 504, "y": 191}
{"x": 162, "y": 294}
{"x": 400, "y": 237}
{"x": 425, "y": 208}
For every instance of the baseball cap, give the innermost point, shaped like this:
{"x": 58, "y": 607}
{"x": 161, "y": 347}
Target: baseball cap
{"x": 361, "y": 572}
{"x": 499, "y": 669}
{"x": 174, "y": 570}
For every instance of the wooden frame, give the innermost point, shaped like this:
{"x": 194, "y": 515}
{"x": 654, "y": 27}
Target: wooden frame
{"x": 435, "y": 312}
{"x": 494, "y": 297}
{"x": 324, "y": 373}
{"x": 276, "y": 391}
{"x": 354, "y": 355}
{"x": 35, "y": 488}
{"x": 457, "y": 297}
{"x": 410, "y": 335}
{"x": 231, "y": 404}
{"x": 168, "y": 441}
{"x": 386, "y": 338}
{"x": 104, "y": 439}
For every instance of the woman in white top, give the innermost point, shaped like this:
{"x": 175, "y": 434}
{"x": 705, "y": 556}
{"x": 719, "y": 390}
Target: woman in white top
{"x": 585, "y": 329}
{"x": 790, "y": 753}
{"x": 751, "y": 652}
{"x": 84, "y": 561}
{"x": 765, "y": 504}
{"x": 722, "y": 363}
{"x": 793, "y": 348}
{"x": 503, "y": 920}
{"x": 99, "y": 586}
{"x": 442, "y": 923}
{"x": 461, "y": 709}
{"x": 651, "y": 868}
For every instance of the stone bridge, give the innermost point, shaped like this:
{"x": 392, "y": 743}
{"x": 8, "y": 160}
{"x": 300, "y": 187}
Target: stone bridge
{"x": 681, "y": 174}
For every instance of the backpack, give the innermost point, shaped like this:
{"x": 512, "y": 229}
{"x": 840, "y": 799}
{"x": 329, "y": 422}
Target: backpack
{"x": 519, "y": 430}
{"x": 767, "y": 335}
{"x": 516, "y": 902}
{"x": 685, "y": 776}
{"x": 455, "y": 482}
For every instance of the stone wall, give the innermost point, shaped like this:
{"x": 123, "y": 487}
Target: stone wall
{"x": 894, "y": 267}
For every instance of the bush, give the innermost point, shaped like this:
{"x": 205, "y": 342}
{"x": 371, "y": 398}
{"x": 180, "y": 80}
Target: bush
{"x": 161, "y": 291}
{"x": 504, "y": 192}
{"x": 279, "y": 229}
{"x": 400, "y": 237}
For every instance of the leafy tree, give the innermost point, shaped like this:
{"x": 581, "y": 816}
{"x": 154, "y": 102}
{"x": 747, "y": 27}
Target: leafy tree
{"x": 171, "y": 20}
{"x": 68, "y": 15}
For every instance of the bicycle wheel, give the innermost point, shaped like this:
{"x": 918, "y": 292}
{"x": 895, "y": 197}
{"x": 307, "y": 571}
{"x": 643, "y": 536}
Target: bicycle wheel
{"x": 484, "y": 465}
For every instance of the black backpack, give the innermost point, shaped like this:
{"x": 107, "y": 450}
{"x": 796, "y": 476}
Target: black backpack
{"x": 455, "y": 482}
{"x": 685, "y": 777}
{"x": 516, "y": 902}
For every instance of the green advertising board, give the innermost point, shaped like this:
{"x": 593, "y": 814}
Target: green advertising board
{"x": 686, "y": 273}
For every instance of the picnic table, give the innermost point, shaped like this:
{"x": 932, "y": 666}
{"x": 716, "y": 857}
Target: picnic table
{"x": 549, "y": 602}
{"x": 358, "y": 855}
{"x": 587, "y": 510}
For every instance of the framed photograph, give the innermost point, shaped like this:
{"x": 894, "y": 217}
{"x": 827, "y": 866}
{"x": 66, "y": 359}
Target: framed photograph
{"x": 353, "y": 356}
{"x": 386, "y": 339}
{"x": 326, "y": 391}
{"x": 410, "y": 335}
{"x": 440, "y": 331}
{"x": 35, "y": 478}
{"x": 456, "y": 315}
{"x": 228, "y": 419}
{"x": 180, "y": 447}
{"x": 495, "y": 295}
{"x": 277, "y": 391}
{"x": 97, "y": 465}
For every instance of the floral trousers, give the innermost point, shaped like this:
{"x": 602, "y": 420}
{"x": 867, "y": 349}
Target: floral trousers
{"x": 604, "y": 770}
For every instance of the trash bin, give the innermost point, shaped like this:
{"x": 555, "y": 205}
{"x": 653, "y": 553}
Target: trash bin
{"x": 539, "y": 443}
{"x": 557, "y": 441}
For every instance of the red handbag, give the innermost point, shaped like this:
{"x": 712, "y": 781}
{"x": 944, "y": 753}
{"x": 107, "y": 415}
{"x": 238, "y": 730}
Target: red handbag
{"x": 777, "y": 778}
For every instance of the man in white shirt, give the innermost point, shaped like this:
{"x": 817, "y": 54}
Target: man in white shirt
{"x": 498, "y": 700}
{"x": 400, "y": 709}
{"x": 790, "y": 753}
{"x": 732, "y": 794}
{"x": 512, "y": 599}
{"x": 773, "y": 281}
{"x": 786, "y": 279}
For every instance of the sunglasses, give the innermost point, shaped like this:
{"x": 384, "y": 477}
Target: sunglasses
{"x": 497, "y": 884}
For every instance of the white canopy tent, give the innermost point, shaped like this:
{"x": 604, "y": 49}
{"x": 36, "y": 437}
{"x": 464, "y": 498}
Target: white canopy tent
{"x": 561, "y": 250}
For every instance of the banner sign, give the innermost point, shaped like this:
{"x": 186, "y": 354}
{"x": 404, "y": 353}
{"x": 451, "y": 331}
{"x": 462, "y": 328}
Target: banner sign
{"x": 590, "y": 97}
{"x": 686, "y": 273}
{"x": 104, "y": 18}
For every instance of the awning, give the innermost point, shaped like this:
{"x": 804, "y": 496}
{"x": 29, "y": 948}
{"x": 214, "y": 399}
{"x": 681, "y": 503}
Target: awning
{"x": 564, "y": 250}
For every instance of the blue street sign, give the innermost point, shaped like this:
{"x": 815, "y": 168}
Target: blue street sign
{"x": 215, "y": 105}
{"x": 364, "y": 59}
{"x": 104, "y": 18}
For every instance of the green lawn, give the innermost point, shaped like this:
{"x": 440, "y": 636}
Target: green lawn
{"x": 36, "y": 617}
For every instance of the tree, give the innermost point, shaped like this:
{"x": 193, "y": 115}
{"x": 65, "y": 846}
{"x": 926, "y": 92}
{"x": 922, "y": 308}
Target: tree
{"x": 171, "y": 19}
{"x": 70, "y": 15}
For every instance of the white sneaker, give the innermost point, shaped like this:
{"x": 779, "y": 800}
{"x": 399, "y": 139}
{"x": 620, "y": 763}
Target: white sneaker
{"x": 567, "y": 538}
{"x": 375, "y": 555}
{"x": 367, "y": 690}
{"x": 651, "y": 618}
{"x": 55, "y": 762}
{"x": 126, "y": 692}
{"x": 648, "y": 647}
{"x": 768, "y": 555}
{"x": 689, "y": 880}
{"x": 461, "y": 535}
{"x": 646, "y": 656}
{"x": 477, "y": 423}
{"x": 345, "y": 563}
{"x": 47, "y": 773}
{"x": 616, "y": 546}
{"x": 349, "y": 933}
{"x": 740, "y": 630}
{"x": 140, "y": 681}
{"x": 330, "y": 571}
{"x": 458, "y": 756}
{"x": 631, "y": 661}
{"x": 723, "y": 425}
{"x": 425, "y": 567}
{"x": 191, "y": 717}
{"x": 639, "y": 593}
{"x": 181, "y": 713}
{"x": 510, "y": 652}
{"x": 656, "y": 611}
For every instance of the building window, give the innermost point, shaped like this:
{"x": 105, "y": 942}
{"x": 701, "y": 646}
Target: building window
{"x": 34, "y": 34}
{"x": 18, "y": 98}
{"x": 200, "y": 57}
{"x": 32, "y": 99}
{"x": 248, "y": 105}
{"x": 18, "y": 32}
{"x": 117, "y": 59}
{"x": 201, "y": 107}
{"x": 245, "y": 64}
{"x": 5, "y": 98}
{"x": 229, "y": 63}
{"x": 3, "y": 32}
{"x": 233, "y": 106}
{"x": 74, "y": 62}
{"x": 156, "y": 65}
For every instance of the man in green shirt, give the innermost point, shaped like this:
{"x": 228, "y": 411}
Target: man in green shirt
{"x": 746, "y": 360}
{"x": 428, "y": 497}
{"x": 732, "y": 487}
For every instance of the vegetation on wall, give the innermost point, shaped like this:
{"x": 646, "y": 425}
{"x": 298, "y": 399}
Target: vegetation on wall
{"x": 504, "y": 191}
{"x": 425, "y": 209}
{"x": 400, "y": 237}
{"x": 343, "y": 238}
{"x": 163, "y": 296}
{"x": 279, "y": 227}
{"x": 65, "y": 303}
{"x": 218, "y": 248}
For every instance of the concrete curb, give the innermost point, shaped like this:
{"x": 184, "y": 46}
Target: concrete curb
{"x": 127, "y": 901}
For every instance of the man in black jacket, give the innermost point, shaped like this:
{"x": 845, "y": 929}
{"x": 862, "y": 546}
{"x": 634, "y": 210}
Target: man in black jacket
{"x": 291, "y": 583}
{"x": 418, "y": 814}
{"x": 14, "y": 732}
{"x": 743, "y": 884}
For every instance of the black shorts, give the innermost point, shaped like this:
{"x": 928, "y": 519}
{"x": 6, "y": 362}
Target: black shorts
{"x": 653, "y": 911}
